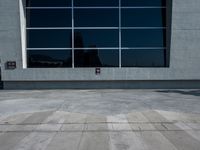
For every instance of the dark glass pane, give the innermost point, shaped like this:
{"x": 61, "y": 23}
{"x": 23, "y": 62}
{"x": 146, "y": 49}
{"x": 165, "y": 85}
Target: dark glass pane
{"x": 146, "y": 17}
{"x": 49, "y": 58}
{"x": 49, "y": 38}
{"x": 143, "y": 38}
{"x": 96, "y": 17}
{"x": 143, "y": 58}
{"x": 48, "y": 3}
{"x": 96, "y": 58}
{"x": 49, "y": 18}
{"x": 143, "y": 3}
{"x": 88, "y": 3}
{"x": 96, "y": 38}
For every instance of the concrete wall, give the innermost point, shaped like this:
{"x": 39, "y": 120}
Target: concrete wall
{"x": 184, "y": 51}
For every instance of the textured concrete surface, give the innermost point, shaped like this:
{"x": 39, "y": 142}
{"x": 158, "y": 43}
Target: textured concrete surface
{"x": 100, "y": 120}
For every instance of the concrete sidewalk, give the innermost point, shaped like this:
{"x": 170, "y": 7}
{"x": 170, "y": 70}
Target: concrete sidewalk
{"x": 100, "y": 120}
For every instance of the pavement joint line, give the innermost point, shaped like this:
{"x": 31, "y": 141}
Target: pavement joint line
{"x": 82, "y": 133}
{"x": 98, "y": 123}
{"x": 164, "y": 126}
{"x": 100, "y": 131}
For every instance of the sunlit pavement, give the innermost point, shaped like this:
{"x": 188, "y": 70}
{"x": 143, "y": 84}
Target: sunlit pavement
{"x": 100, "y": 120}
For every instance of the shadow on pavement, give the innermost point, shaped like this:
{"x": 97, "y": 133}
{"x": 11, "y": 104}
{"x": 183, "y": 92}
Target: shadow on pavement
{"x": 190, "y": 92}
{"x": 1, "y": 85}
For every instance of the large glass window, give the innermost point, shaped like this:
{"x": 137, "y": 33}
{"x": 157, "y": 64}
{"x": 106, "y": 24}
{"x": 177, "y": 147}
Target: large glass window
{"x": 96, "y": 33}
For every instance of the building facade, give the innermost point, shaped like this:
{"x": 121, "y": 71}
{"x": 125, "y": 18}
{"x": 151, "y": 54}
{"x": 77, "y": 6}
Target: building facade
{"x": 100, "y": 44}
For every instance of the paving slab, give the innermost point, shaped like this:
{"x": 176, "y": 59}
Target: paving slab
{"x": 145, "y": 127}
{"x": 75, "y": 118}
{"x": 195, "y": 126}
{"x": 156, "y": 141}
{"x": 137, "y": 117}
{"x": 15, "y": 119}
{"x": 56, "y": 117}
{"x": 35, "y": 141}
{"x": 73, "y": 127}
{"x": 126, "y": 141}
{"x": 65, "y": 141}
{"x": 174, "y": 116}
{"x": 172, "y": 127}
{"x": 37, "y": 118}
{"x": 95, "y": 119}
{"x": 94, "y": 141}
{"x": 194, "y": 133}
{"x": 20, "y": 128}
{"x": 46, "y": 127}
{"x": 159, "y": 127}
{"x": 10, "y": 139}
{"x": 154, "y": 116}
{"x": 97, "y": 127}
{"x": 124, "y": 138}
{"x": 182, "y": 140}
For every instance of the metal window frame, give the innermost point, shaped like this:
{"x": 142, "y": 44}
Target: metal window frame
{"x": 119, "y": 28}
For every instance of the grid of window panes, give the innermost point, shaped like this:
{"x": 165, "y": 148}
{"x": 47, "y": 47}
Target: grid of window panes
{"x": 96, "y": 33}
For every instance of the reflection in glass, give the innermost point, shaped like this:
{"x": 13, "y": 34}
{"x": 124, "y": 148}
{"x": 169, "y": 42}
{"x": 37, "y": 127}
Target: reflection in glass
{"x": 48, "y": 18}
{"x": 144, "y": 17}
{"x": 96, "y": 58}
{"x": 96, "y": 17}
{"x": 78, "y": 40}
{"x": 48, "y": 3}
{"x": 143, "y": 58}
{"x": 89, "y": 3}
{"x": 49, "y": 58}
{"x": 99, "y": 38}
{"x": 49, "y": 38}
{"x": 143, "y": 38}
{"x": 129, "y": 3}
{"x": 92, "y": 58}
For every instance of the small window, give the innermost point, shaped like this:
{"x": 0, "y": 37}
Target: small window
{"x": 143, "y": 58}
{"x": 143, "y": 38}
{"x": 49, "y": 58}
{"x": 97, "y": 58}
{"x": 49, "y": 18}
{"x": 49, "y": 38}
{"x": 144, "y": 17}
{"x": 96, "y": 17}
{"x": 48, "y": 3}
{"x": 96, "y": 38}
{"x": 95, "y": 3}
{"x": 139, "y": 3}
